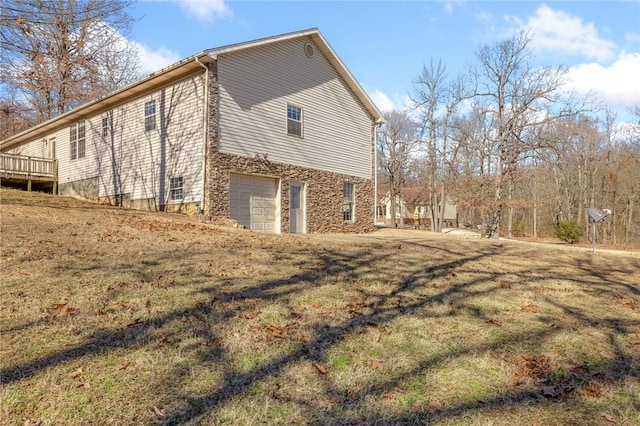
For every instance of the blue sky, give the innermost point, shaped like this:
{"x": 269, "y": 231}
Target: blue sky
{"x": 386, "y": 43}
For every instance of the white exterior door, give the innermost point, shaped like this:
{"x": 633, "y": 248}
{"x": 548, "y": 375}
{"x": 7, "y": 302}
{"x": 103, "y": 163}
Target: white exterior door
{"x": 52, "y": 148}
{"x": 252, "y": 202}
{"x": 296, "y": 208}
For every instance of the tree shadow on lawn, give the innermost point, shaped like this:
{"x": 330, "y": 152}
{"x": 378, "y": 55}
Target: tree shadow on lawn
{"x": 315, "y": 350}
{"x": 382, "y": 309}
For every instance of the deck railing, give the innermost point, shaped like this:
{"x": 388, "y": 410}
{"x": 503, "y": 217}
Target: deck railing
{"x": 28, "y": 169}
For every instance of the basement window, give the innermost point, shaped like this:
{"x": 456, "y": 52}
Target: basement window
{"x": 294, "y": 120}
{"x": 149, "y": 115}
{"x": 176, "y": 188}
{"x": 348, "y": 202}
{"x": 77, "y": 140}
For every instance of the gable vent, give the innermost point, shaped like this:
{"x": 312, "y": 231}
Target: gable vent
{"x": 308, "y": 50}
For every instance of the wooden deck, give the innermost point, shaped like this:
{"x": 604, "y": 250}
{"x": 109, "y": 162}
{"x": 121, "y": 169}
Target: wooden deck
{"x": 22, "y": 170}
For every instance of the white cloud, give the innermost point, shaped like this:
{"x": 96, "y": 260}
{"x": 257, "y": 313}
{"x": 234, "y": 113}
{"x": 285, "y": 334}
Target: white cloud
{"x": 450, "y": 5}
{"x": 206, "y": 10}
{"x": 385, "y": 103}
{"x": 632, "y": 37}
{"x": 559, "y": 31}
{"x": 154, "y": 60}
{"x": 381, "y": 100}
{"x": 617, "y": 84}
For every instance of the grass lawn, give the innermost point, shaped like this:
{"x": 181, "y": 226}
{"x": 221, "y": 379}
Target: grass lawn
{"x": 111, "y": 316}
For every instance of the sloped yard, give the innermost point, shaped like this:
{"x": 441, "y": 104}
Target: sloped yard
{"x": 110, "y": 316}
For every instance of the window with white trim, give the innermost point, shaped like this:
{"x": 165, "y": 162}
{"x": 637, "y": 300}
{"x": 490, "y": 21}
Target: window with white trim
{"x": 348, "y": 201}
{"x": 294, "y": 120}
{"x": 176, "y": 188}
{"x": 105, "y": 127}
{"x": 149, "y": 115}
{"x": 77, "y": 140}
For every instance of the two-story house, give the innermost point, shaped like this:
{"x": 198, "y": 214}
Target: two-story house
{"x": 275, "y": 133}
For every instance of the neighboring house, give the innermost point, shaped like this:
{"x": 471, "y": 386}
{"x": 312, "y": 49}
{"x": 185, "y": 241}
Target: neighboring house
{"x": 412, "y": 208}
{"x": 275, "y": 133}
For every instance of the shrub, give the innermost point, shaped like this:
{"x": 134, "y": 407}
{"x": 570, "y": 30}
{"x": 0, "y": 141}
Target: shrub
{"x": 518, "y": 228}
{"x": 569, "y": 231}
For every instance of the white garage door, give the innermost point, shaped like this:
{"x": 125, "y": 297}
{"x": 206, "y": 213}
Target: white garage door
{"x": 252, "y": 202}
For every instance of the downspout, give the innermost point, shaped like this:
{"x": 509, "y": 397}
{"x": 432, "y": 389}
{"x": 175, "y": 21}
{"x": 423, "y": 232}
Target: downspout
{"x": 375, "y": 173}
{"x": 205, "y": 126}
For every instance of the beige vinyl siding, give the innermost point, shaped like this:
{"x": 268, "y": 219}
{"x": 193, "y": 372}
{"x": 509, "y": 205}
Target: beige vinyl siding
{"x": 133, "y": 161}
{"x": 141, "y": 163}
{"x": 36, "y": 148}
{"x": 256, "y": 86}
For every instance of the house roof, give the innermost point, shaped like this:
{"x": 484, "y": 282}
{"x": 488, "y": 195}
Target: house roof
{"x": 416, "y": 195}
{"x": 181, "y": 69}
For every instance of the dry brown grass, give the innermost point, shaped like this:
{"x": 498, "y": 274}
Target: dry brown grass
{"x": 109, "y": 316}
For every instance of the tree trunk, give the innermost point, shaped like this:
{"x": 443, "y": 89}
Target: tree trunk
{"x": 510, "y": 211}
{"x": 393, "y": 200}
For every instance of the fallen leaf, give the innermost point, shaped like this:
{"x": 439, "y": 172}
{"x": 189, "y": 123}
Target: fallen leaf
{"x": 592, "y": 389}
{"x": 76, "y": 372}
{"x": 251, "y": 314}
{"x": 374, "y": 365}
{"x": 608, "y": 417}
{"x": 316, "y": 305}
{"x": 83, "y": 384}
{"x": 158, "y": 411}
{"x": 55, "y": 307}
{"x": 275, "y": 331}
{"x": 530, "y": 307}
{"x": 124, "y": 364}
{"x": 321, "y": 368}
{"x": 69, "y": 310}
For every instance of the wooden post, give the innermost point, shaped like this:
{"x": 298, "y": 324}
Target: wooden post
{"x": 29, "y": 174}
{"x": 55, "y": 177}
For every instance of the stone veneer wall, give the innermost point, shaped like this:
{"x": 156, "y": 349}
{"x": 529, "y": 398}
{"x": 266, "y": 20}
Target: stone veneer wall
{"x": 87, "y": 189}
{"x": 323, "y": 190}
{"x": 323, "y": 193}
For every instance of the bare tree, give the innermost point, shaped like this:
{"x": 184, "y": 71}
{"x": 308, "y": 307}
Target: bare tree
{"x": 61, "y": 53}
{"x": 519, "y": 97}
{"x": 396, "y": 143}
{"x": 14, "y": 116}
{"x": 436, "y": 101}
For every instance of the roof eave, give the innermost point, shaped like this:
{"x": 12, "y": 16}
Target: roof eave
{"x": 183, "y": 68}
{"x": 113, "y": 99}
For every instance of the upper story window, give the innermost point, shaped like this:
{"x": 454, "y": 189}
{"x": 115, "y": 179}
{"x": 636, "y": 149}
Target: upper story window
{"x": 77, "y": 140}
{"x": 348, "y": 201}
{"x": 294, "y": 120}
{"x": 105, "y": 127}
{"x": 149, "y": 115}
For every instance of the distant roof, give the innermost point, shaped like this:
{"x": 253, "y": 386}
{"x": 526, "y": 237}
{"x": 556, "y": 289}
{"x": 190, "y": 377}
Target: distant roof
{"x": 416, "y": 194}
{"x": 183, "y": 68}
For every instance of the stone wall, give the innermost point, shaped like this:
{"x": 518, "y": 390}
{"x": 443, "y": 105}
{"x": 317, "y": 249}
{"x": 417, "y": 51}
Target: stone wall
{"x": 86, "y": 189}
{"x": 323, "y": 193}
